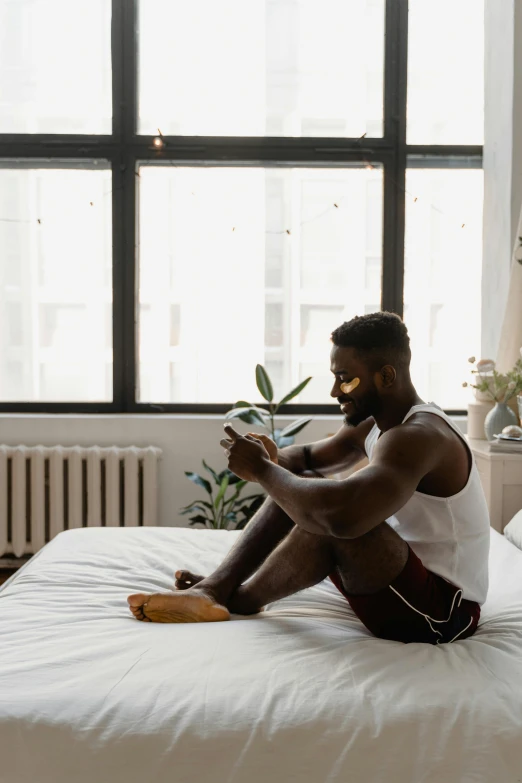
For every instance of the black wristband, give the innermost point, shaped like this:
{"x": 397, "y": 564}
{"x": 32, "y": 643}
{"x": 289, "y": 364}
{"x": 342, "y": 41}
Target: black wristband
{"x": 307, "y": 460}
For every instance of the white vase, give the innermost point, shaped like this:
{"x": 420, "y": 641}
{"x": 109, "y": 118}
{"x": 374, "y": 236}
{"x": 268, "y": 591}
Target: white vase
{"x": 477, "y": 412}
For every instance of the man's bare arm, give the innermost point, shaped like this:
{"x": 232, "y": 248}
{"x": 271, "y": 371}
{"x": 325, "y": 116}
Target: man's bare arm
{"x": 402, "y": 457}
{"x": 335, "y": 454}
{"x": 354, "y": 506}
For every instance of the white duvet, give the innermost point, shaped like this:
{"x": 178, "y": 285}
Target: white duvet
{"x": 300, "y": 693}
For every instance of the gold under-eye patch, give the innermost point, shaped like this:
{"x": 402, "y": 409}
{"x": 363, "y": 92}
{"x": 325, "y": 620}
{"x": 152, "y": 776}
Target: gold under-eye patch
{"x": 346, "y": 388}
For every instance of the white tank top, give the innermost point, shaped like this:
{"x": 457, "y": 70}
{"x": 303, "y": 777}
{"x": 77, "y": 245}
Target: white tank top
{"x": 450, "y": 535}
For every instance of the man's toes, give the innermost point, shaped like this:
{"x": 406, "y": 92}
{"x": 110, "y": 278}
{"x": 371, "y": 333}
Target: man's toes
{"x": 184, "y": 576}
{"x": 136, "y": 605}
{"x": 137, "y": 599}
{"x": 184, "y": 579}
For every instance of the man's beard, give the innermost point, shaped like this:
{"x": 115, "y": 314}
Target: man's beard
{"x": 357, "y": 417}
{"x": 370, "y": 407}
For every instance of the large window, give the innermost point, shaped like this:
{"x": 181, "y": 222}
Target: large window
{"x": 189, "y": 189}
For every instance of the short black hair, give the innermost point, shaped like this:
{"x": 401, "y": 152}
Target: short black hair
{"x": 379, "y": 338}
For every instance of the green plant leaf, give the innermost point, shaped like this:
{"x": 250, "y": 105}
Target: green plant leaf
{"x": 222, "y": 490}
{"x": 212, "y": 471}
{"x": 296, "y": 427}
{"x": 201, "y": 482}
{"x": 192, "y": 509}
{"x": 200, "y": 502}
{"x": 248, "y": 512}
{"x": 250, "y": 509}
{"x": 263, "y": 383}
{"x": 232, "y": 478}
{"x": 258, "y": 502}
{"x": 294, "y": 392}
{"x": 232, "y": 498}
{"x": 248, "y": 415}
{"x": 199, "y": 520}
{"x": 237, "y": 481}
{"x": 282, "y": 441}
{"x": 230, "y": 517}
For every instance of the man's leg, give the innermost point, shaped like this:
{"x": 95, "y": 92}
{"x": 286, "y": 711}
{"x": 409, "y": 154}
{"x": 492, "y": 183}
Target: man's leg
{"x": 365, "y": 565}
{"x": 267, "y": 528}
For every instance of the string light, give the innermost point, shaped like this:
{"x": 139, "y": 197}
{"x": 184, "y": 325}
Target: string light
{"x": 159, "y": 144}
{"x": 158, "y": 141}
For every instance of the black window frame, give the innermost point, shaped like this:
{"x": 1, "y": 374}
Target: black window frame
{"x": 125, "y": 149}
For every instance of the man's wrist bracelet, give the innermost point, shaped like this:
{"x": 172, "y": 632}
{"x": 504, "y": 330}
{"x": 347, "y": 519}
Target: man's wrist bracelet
{"x": 307, "y": 457}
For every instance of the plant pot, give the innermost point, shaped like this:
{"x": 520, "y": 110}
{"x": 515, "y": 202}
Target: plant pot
{"x": 498, "y": 418}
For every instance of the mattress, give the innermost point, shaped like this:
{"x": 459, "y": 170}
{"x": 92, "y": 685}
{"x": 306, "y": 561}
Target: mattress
{"x": 301, "y": 692}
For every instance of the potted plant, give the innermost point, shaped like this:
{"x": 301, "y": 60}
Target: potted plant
{"x": 233, "y": 512}
{"x": 220, "y": 512}
{"x": 500, "y": 388}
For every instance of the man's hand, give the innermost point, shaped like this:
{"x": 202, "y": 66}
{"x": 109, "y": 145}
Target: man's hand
{"x": 269, "y": 445}
{"x": 246, "y": 455}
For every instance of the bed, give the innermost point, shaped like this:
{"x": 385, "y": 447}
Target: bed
{"x": 301, "y": 692}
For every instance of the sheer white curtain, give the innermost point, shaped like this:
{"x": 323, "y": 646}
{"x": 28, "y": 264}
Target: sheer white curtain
{"x": 511, "y": 334}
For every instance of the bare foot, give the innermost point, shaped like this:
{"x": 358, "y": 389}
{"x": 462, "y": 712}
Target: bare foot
{"x": 193, "y": 606}
{"x": 237, "y": 603}
{"x": 186, "y": 579}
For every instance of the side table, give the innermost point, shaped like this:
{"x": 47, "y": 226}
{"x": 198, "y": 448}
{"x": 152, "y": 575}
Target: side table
{"x": 501, "y": 476}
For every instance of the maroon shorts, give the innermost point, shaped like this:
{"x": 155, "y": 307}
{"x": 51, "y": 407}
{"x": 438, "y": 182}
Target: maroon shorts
{"x": 418, "y": 606}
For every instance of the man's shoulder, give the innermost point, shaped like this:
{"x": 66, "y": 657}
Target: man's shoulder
{"x": 421, "y": 431}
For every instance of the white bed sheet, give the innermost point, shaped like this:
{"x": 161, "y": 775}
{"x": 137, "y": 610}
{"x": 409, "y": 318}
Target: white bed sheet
{"x": 301, "y": 692}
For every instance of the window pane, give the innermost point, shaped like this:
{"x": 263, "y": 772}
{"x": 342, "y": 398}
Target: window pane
{"x": 55, "y": 66}
{"x": 262, "y": 67}
{"x": 55, "y": 336}
{"x": 206, "y": 240}
{"x": 446, "y": 72}
{"x": 443, "y": 268}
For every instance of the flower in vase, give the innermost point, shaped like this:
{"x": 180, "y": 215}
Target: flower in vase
{"x": 498, "y": 387}
{"x": 485, "y": 365}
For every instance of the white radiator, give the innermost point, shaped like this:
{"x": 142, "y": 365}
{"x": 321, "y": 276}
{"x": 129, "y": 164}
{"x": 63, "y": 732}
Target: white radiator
{"x": 44, "y": 490}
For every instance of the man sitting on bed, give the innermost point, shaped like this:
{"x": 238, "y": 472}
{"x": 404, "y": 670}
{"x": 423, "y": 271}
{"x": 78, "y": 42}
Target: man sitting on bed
{"x": 405, "y": 539}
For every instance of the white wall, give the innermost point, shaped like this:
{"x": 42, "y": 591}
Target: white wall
{"x": 185, "y": 441}
{"x": 502, "y": 159}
